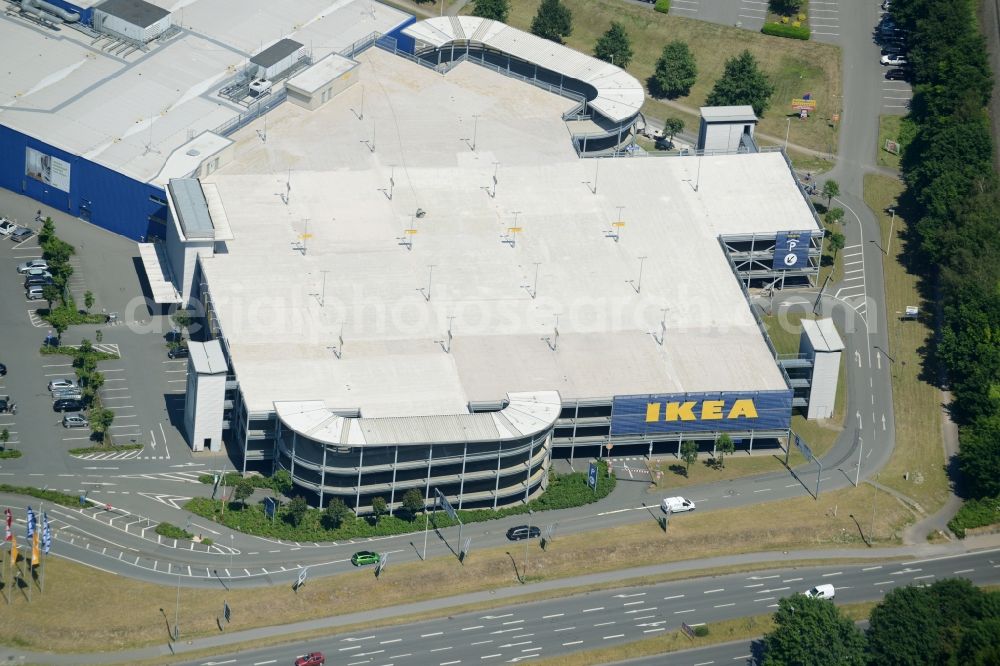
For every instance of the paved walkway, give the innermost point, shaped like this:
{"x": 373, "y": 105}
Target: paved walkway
{"x": 382, "y": 614}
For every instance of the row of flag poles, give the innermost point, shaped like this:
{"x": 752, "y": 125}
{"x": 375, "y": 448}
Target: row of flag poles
{"x": 34, "y": 534}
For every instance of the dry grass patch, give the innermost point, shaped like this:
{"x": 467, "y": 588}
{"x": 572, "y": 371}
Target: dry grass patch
{"x": 917, "y": 403}
{"x": 124, "y": 613}
{"x": 795, "y": 67}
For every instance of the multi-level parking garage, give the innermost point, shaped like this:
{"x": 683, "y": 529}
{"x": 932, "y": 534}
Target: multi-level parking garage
{"x": 415, "y": 281}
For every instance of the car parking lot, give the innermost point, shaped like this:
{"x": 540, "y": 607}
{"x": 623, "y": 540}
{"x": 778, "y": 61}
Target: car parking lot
{"x": 142, "y": 386}
{"x": 824, "y": 15}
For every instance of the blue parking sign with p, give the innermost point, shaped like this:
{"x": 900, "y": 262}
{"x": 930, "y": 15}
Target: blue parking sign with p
{"x": 791, "y": 251}
{"x": 592, "y": 476}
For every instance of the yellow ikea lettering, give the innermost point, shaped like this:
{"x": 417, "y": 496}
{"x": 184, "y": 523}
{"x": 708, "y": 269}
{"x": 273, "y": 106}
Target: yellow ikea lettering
{"x": 743, "y": 408}
{"x": 680, "y": 411}
{"x": 712, "y": 410}
{"x": 652, "y": 412}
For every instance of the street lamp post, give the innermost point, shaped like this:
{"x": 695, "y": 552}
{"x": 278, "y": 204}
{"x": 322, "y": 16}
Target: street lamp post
{"x": 524, "y": 579}
{"x": 891, "y": 225}
{"x": 788, "y": 128}
{"x": 177, "y": 610}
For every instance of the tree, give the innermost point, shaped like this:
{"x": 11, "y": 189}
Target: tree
{"x": 297, "y": 509}
{"x": 88, "y": 300}
{"x": 831, "y": 189}
{"x": 336, "y": 513}
{"x": 100, "y": 422}
{"x": 498, "y": 10}
{"x": 243, "y": 490}
{"x": 742, "y": 82}
{"x": 553, "y": 21}
{"x": 413, "y": 503}
{"x": 380, "y": 507}
{"x": 835, "y": 242}
{"x": 182, "y": 318}
{"x": 614, "y": 46}
{"x": 724, "y": 446}
{"x": 812, "y": 632}
{"x": 979, "y": 456}
{"x": 786, "y": 7}
{"x": 675, "y": 73}
{"x": 60, "y": 325}
{"x": 689, "y": 454}
{"x": 672, "y": 127}
{"x": 51, "y": 294}
{"x": 281, "y": 481}
{"x": 4, "y": 438}
{"x": 834, "y": 216}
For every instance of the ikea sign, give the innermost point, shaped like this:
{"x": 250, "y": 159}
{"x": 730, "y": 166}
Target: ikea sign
{"x": 701, "y": 412}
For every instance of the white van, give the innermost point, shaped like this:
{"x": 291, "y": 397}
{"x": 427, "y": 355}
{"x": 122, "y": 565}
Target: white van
{"x": 821, "y": 592}
{"x": 676, "y": 504}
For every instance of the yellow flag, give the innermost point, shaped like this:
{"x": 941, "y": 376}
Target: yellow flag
{"x": 13, "y": 550}
{"x": 36, "y": 555}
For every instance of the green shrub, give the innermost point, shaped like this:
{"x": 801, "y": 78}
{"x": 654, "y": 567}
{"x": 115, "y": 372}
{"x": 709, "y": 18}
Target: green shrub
{"x": 10, "y": 453}
{"x": 789, "y": 31}
{"x": 104, "y": 449}
{"x": 975, "y": 513}
{"x": 172, "y": 531}
{"x": 564, "y": 491}
{"x": 53, "y": 496}
{"x": 662, "y": 6}
{"x": 701, "y": 630}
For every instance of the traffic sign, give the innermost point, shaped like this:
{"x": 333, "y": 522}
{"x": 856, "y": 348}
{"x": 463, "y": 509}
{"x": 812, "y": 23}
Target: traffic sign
{"x": 226, "y": 611}
{"x": 592, "y": 476}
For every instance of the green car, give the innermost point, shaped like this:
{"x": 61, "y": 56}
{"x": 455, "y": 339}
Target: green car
{"x": 363, "y": 557}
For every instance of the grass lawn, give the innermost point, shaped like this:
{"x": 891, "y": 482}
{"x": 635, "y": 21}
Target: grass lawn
{"x": 919, "y": 450}
{"x": 795, "y": 67}
{"x": 888, "y": 128}
{"x": 128, "y": 613}
{"x": 809, "y": 163}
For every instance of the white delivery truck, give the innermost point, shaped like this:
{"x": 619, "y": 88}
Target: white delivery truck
{"x": 676, "y": 504}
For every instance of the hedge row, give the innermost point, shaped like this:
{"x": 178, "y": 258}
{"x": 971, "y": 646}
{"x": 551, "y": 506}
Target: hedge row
{"x": 172, "y": 531}
{"x": 53, "y": 496}
{"x": 564, "y": 491}
{"x": 787, "y": 30}
{"x": 662, "y": 6}
{"x": 975, "y": 513}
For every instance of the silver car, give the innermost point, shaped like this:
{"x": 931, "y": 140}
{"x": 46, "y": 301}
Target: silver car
{"x": 72, "y": 393}
{"x": 61, "y": 384}
{"x": 33, "y": 263}
{"x": 75, "y": 421}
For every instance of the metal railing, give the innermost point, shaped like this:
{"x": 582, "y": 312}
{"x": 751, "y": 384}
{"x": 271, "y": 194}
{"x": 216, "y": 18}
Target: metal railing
{"x": 251, "y": 114}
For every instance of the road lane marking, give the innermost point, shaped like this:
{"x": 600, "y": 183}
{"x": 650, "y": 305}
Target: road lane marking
{"x": 721, "y": 589}
{"x": 589, "y": 610}
{"x": 872, "y": 568}
{"x": 556, "y": 631}
{"x": 679, "y": 596}
{"x": 962, "y": 571}
{"x": 546, "y": 617}
{"x": 614, "y": 636}
{"x": 436, "y": 633}
{"x": 604, "y": 624}
{"x": 572, "y": 643}
{"x": 726, "y": 605}
{"x": 827, "y": 575}
{"x": 883, "y": 582}
{"x": 690, "y": 610}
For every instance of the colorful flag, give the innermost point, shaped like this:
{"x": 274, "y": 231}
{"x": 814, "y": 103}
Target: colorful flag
{"x": 10, "y": 522}
{"x": 13, "y": 549}
{"x": 36, "y": 557}
{"x": 31, "y": 523}
{"x": 46, "y": 534}
{"x": 808, "y": 95}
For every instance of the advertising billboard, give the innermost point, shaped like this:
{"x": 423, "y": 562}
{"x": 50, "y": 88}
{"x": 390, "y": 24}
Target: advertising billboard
{"x": 652, "y": 414}
{"x": 50, "y": 170}
{"x": 791, "y": 250}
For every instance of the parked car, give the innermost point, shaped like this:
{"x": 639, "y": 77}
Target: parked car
{"x": 67, "y": 405}
{"x": 37, "y": 280}
{"x": 75, "y": 421}
{"x": 676, "y": 504}
{"x": 6, "y": 227}
{"x": 523, "y": 532}
{"x": 178, "y": 352}
{"x": 21, "y": 234}
{"x": 34, "y": 293}
{"x": 363, "y": 557}
{"x": 5, "y": 404}
{"x": 61, "y": 384}
{"x": 821, "y": 592}
{"x": 38, "y": 271}
{"x": 75, "y": 393}
{"x": 3, "y": 369}
{"x": 894, "y": 59}
{"x": 311, "y": 659}
{"x": 32, "y": 263}
{"x": 893, "y": 47}
{"x": 895, "y": 74}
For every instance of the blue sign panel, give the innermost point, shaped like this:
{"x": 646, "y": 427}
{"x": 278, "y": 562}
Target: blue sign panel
{"x": 701, "y": 412}
{"x": 592, "y": 476}
{"x": 791, "y": 250}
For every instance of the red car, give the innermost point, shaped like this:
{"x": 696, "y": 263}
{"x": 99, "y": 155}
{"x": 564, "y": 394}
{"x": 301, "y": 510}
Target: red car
{"x": 311, "y": 659}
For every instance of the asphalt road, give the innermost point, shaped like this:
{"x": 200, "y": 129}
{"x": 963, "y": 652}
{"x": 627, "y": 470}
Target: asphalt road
{"x": 600, "y": 619}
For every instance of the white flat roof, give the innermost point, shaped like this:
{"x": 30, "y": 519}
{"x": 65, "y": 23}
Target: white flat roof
{"x": 316, "y": 76}
{"x": 619, "y": 94}
{"x": 718, "y": 114}
{"x": 155, "y": 262}
{"x": 823, "y": 335}
{"x": 207, "y": 358}
{"x": 130, "y": 114}
{"x": 284, "y": 308}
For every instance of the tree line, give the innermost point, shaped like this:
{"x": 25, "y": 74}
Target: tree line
{"x": 953, "y": 197}
{"x": 951, "y": 622}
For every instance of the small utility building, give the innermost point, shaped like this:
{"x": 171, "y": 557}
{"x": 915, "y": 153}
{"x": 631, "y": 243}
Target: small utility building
{"x": 275, "y": 59}
{"x": 135, "y": 19}
{"x": 821, "y": 342}
{"x": 317, "y": 85}
{"x": 206, "y": 395}
{"x": 727, "y": 129}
